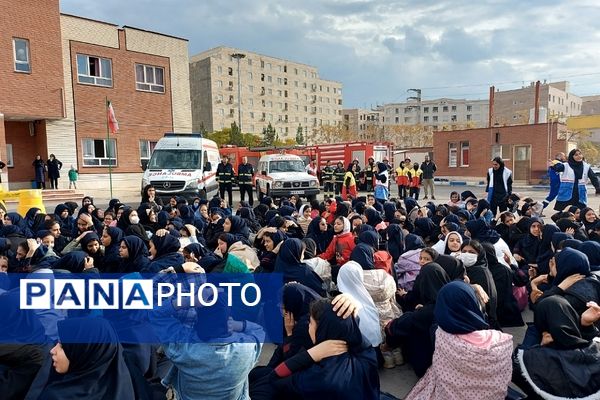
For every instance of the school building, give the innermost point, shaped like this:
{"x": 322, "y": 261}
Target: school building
{"x": 56, "y": 76}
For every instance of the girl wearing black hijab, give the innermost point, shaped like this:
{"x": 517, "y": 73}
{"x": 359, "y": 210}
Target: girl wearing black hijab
{"x": 499, "y": 185}
{"x": 573, "y": 180}
{"x": 331, "y": 369}
{"x": 165, "y": 253}
{"x": 111, "y": 240}
{"x": 130, "y": 224}
{"x": 289, "y": 263}
{"x": 321, "y": 232}
{"x": 412, "y": 330}
{"x": 134, "y": 255}
{"x": 87, "y": 363}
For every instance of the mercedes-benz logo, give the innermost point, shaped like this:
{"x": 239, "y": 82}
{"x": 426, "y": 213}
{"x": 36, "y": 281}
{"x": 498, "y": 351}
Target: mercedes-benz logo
{"x": 167, "y": 185}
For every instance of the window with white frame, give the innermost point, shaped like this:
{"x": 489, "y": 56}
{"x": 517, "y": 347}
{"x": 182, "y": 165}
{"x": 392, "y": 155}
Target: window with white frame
{"x": 502, "y": 151}
{"x": 99, "y": 152}
{"x": 149, "y": 78}
{"x": 464, "y": 154}
{"x": 94, "y": 70}
{"x": 21, "y": 54}
{"x": 146, "y": 149}
{"x": 9, "y": 156}
{"x": 452, "y": 155}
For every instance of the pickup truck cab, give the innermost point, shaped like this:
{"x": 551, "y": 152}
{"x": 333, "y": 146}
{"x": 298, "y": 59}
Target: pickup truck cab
{"x": 283, "y": 175}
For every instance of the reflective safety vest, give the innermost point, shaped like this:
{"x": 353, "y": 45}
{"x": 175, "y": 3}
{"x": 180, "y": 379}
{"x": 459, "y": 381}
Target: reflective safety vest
{"x": 245, "y": 172}
{"x": 224, "y": 173}
{"x": 567, "y": 180}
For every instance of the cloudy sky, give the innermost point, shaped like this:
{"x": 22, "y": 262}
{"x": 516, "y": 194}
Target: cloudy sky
{"x": 379, "y": 49}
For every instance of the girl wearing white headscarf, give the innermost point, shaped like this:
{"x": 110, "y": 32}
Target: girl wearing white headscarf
{"x": 341, "y": 245}
{"x": 443, "y": 247}
{"x": 350, "y": 281}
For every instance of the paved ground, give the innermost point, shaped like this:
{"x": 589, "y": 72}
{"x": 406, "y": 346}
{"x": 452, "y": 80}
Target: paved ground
{"x": 400, "y": 380}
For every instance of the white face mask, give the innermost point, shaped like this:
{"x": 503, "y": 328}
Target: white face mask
{"x": 134, "y": 219}
{"x": 468, "y": 259}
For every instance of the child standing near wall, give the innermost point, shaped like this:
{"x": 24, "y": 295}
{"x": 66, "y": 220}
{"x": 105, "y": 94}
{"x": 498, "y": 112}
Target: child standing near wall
{"x": 73, "y": 174}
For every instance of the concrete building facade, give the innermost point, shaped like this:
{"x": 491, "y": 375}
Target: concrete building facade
{"x": 366, "y": 124}
{"x": 144, "y": 74}
{"x": 284, "y": 93}
{"x": 516, "y": 107}
{"x": 438, "y": 114}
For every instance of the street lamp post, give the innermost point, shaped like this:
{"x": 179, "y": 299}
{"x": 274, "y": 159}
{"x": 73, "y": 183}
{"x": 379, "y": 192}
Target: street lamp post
{"x": 238, "y": 57}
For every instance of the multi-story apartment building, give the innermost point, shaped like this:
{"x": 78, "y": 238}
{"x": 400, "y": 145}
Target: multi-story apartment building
{"x": 438, "y": 114}
{"x": 61, "y": 71}
{"x": 516, "y": 107}
{"x": 590, "y": 105}
{"x": 272, "y": 90}
{"x": 366, "y": 124}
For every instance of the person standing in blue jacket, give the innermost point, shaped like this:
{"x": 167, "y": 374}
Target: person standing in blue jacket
{"x": 554, "y": 177}
{"x": 574, "y": 177}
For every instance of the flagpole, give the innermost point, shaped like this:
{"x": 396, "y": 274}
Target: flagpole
{"x": 108, "y": 147}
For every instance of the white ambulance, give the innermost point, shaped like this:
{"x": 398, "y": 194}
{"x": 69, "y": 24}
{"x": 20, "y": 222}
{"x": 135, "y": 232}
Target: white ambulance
{"x": 183, "y": 164}
{"x": 280, "y": 175}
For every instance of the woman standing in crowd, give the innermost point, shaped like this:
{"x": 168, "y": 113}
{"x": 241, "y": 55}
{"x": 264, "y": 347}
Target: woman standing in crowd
{"x": 54, "y": 167}
{"x": 574, "y": 177}
{"x": 39, "y": 169}
{"x": 499, "y": 185}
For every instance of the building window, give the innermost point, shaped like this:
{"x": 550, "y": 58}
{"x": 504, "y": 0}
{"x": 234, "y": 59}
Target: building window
{"x": 435, "y": 118}
{"x": 250, "y": 76}
{"x": 453, "y": 118}
{"x": 219, "y": 69}
{"x": 94, "y": 70}
{"x": 249, "y": 61}
{"x": 435, "y": 109}
{"x": 251, "y": 88}
{"x": 219, "y": 83}
{"x": 453, "y": 108}
{"x": 469, "y": 117}
{"x": 426, "y": 118}
{"x": 230, "y": 71}
{"x": 21, "y": 53}
{"x": 99, "y": 152}
{"x": 501, "y": 150}
{"x": 452, "y": 155}
{"x": 469, "y": 108}
{"x": 464, "y": 154}
{"x": 9, "y": 156}
{"x": 426, "y": 109}
{"x": 149, "y": 78}
{"x": 146, "y": 149}
{"x": 445, "y": 109}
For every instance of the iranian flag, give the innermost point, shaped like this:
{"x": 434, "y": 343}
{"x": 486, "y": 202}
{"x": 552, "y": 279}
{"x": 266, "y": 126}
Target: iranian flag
{"x": 113, "y": 124}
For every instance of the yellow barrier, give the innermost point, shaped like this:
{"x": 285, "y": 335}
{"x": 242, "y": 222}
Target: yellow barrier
{"x": 27, "y": 199}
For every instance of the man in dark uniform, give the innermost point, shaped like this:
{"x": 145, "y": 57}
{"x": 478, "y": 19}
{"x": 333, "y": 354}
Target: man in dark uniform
{"x": 327, "y": 179}
{"x": 224, "y": 177}
{"x": 369, "y": 174}
{"x": 339, "y": 173}
{"x": 245, "y": 173}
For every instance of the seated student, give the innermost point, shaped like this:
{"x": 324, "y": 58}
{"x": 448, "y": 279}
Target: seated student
{"x": 317, "y": 264}
{"x": 340, "y": 365}
{"x": 341, "y": 245}
{"x": 321, "y": 232}
{"x": 87, "y": 363}
{"x": 289, "y": 263}
{"x": 210, "y": 360}
{"x": 111, "y": 240}
{"x": 267, "y": 242}
{"x": 165, "y": 253}
{"x": 466, "y": 350}
{"x": 411, "y": 331}
{"x": 304, "y": 218}
{"x": 566, "y": 364}
{"x": 134, "y": 255}
{"x": 22, "y": 351}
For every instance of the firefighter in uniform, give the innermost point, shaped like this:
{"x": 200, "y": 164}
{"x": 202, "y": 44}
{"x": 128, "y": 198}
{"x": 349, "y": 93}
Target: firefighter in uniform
{"x": 224, "y": 176}
{"x": 328, "y": 179}
{"x": 339, "y": 173}
{"x": 370, "y": 170}
{"x": 245, "y": 173}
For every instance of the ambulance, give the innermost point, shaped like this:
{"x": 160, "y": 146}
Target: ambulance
{"x": 183, "y": 164}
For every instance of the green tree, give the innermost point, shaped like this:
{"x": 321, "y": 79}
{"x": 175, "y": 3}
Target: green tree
{"x": 202, "y": 129}
{"x": 268, "y": 135}
{"x": 299, "y": 135}
{"x": 236, "y": 135}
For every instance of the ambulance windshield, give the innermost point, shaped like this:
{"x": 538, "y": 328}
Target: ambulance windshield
{"x": 175, "y": 159}
{"x": 286, "y": 166}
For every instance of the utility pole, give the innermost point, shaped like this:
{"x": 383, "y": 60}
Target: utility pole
{"x": 238, "y": 57}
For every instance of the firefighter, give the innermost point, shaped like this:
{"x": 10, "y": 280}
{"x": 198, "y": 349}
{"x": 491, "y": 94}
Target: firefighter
{"x": 224, "y": 176}
{"x": 245, "y": 173}
{"x": 339, "y": 174}
{"x": 370, "y": 170}
{"x": 327, "y": 179}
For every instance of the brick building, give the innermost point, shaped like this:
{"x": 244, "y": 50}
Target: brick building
{"x": 467, "y": 154}
{"x": 76, "y": 64}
